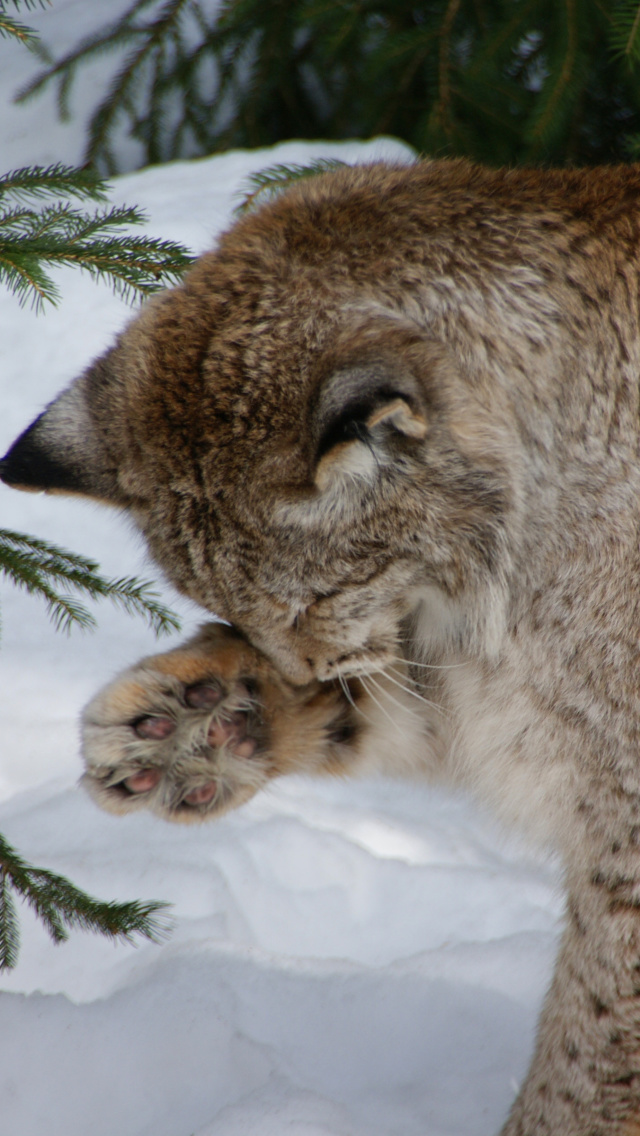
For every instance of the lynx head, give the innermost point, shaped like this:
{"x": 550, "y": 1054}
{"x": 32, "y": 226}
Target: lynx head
{"x": 304, "y": 456}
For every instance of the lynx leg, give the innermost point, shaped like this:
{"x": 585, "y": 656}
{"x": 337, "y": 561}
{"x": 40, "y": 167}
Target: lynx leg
{"x": 585, "y": 1075}
{"x": 199, "y": 730}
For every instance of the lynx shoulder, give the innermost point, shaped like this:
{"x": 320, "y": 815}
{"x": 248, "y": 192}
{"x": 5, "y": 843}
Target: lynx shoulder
{"x": 389, "y": 430}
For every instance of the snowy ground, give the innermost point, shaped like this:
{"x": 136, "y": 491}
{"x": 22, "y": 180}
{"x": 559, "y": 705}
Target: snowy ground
{"x": 361, "y": 959}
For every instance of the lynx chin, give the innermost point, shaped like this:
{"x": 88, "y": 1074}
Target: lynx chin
{"x": 389, "y": 430}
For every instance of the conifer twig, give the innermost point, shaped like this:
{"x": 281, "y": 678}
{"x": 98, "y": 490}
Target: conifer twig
{"x": 625, "y": 31}
{"x": 33, "y": 240}
{"x": 59, "y": 234}
{"x": 40, "y": 567}
{"x": 10, "y": 28}
{"x": 263, "y": 185}
{"x": 55, "y": 180}
{"x": 62, "y": 907}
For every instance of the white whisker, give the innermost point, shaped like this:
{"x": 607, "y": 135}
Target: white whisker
{"x": 387, "y": 694}
{"x": 427, "y": 666}
{"x": 345, "y": 690}
{"x": 349, "y": 697}
{"x": 378, "y": 704}
{"x": 414, "y": 693}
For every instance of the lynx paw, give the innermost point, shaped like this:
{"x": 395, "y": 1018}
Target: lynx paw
{"x": 199, "y": 730}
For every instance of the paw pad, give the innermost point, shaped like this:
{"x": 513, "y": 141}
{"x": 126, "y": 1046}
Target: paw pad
{"x": 189, "y": 753}
{"x": 154, "y": 728}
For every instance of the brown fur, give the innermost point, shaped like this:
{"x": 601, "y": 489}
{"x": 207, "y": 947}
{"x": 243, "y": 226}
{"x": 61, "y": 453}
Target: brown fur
{"x": 390, "y": 430}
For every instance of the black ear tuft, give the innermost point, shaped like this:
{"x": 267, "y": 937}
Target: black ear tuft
{"x": 28, "y": 465}
{"x": 63, "y": 451}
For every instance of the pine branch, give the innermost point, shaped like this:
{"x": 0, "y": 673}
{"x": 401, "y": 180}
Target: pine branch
{"x": 62, "y": 907}
{"x": 40, "y": 567}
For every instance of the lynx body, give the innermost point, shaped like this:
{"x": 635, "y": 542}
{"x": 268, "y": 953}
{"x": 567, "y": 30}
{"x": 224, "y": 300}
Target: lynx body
{"x": 389, "y": 430}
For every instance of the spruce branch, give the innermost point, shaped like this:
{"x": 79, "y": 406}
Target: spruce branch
{"x": 497, "y": 81}
{"x": 9, "y": 929}
{"x": 443, "y": 113}
{"x": 10, "y": 28}
{"x": 57, "y": 180}
{"x": 40, "y": 568}
{"x": 624, "y": 37}
{"x": 144, "y": 38}
{"x": 555, "y": 96}
{"x": 28, "y": 4}
{"x": 153, "y": 39}
{"x": 56, "y": 233}
{"x": 35, "y": 240}
{"x": 62, "y": 907}
{"x": 264, "y": 185}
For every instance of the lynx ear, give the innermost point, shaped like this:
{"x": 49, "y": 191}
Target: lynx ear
{"x": 400, "y": 415}
{"x": 62, "y": 452}
{"x": 362, "y": 415}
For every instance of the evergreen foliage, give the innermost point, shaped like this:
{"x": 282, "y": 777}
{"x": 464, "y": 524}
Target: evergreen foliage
{"x": 58, "y": 234}
{"x": 61, "y": 906}
{"x": 263, "y": 185}
{"x": 40, "y": 568}
{"x": 11, "y": 28}
{"x": 30, "y": 238}
{"x": 502, "y": 81}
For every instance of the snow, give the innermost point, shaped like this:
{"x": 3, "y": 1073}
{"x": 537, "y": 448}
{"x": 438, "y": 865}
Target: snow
{"x": 346, "y": 959}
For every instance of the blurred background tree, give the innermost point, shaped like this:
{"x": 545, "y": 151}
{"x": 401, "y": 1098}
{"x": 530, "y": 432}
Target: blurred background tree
{"x": 501, "y": 81}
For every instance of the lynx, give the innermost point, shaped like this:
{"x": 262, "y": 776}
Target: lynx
{"x": 389, "y": 432}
